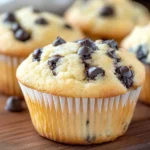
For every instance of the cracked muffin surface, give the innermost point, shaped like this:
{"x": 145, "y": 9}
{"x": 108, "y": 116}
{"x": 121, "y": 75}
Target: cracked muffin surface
{"x": 82, "y": 69}
{"x": 26, "y": 29}
{"x": 138, "y": 42}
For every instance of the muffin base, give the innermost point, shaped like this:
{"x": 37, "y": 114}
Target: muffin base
{"x": 80, "y": 120}
{"x": 8, "y": 82}
{"x": 145, "y": 93}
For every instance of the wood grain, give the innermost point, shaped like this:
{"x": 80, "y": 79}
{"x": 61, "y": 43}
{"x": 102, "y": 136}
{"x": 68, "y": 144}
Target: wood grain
{"x": 17, "y": 133}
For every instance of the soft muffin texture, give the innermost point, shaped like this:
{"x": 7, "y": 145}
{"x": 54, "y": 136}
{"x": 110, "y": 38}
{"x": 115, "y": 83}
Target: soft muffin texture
{"x": 116, "y": 23}
{"x": 41, "y": 34}
{"x": 139, "y": 37}
{"x": 69, "y": 78}
{"x": 138, "y": 42}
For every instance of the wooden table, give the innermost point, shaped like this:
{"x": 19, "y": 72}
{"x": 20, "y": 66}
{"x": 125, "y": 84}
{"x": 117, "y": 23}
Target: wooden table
{"x": 17, "y": 133}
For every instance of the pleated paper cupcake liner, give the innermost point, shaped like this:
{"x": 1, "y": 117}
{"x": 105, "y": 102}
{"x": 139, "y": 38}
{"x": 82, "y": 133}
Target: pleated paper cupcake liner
{"x": 80, "y": 120}
{"x": 145, "y": 93}
{"x": 8, "y": 82}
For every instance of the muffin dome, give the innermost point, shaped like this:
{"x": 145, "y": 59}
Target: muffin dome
{"x": 107, "y": 18}
{"x": 27, "y": 29}
{"x": 85, "y": 67}
{"x": 138, "y": 42}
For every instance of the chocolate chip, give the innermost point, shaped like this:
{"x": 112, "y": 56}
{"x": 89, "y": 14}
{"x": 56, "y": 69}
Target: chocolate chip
{"x": 9, "y": 17}
{"x": 125, "y": 75}
{"x": 22, "y": 35}
{"x": 58, "y": 41}
{"x": 67, "y": 26}
{"x": 15, "y": 27}
{"x": 142, "y": 52}
{"x": 93, "y": 72}
{"x": 53, "y": 61}
{"x": 88, "y": 43}
{"x": 37, "y": 54}
{"x": 126, "y": 72}
{"x": 112, "y": 43}
{"x": 41, "y": 21}
{"x": 36, "y": 10}
{"x": 112, "y": 54}
{"x": 87, "y": 122}
{"x": 85, "y": 52}
{"x": 14, "y": 104}
{"x": 107, "y": 11}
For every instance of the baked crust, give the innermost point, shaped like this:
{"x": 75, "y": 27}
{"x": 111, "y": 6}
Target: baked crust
{"x": 128, "y": 14}
{"x": 140, "y": 36}
{"x": 70, "y": 81}
{"x": 40, "y": 35}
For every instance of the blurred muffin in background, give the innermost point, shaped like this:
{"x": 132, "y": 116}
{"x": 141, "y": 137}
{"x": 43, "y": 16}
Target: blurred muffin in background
{"x": 20, "y": 33}
{"x": 138, "y": 42}
{"x": 107, "y": 19}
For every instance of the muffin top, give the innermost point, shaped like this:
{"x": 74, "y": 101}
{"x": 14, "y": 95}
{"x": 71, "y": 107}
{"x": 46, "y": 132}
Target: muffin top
{"x": 138, "y": 42}
{"x": 108, "y": 18}
{"x": 27, "y": 29}
{"x": 82, "y": 69}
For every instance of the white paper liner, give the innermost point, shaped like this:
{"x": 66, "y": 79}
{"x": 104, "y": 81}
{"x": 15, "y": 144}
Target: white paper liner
{"x": 80, "y": 120}
{"x": 8, "y": 82}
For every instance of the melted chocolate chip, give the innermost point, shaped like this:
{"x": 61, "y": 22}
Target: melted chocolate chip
{"x": 142, "y": 52}
{"x": 9, "y": 17}
{"x": 41, "y": 21}
{"x": 15, "y": 27}
{"x": 52, "y": 62}
{"x": 112, "y": 54}
{"x": 36, "y": 10}
{"x": 37, "y": 54}
{"x": 88, "y": 43}
{"x": 93, "y": 72}
{"x": 85, "y": 52}
{"x": 14, "y": 104}
{"x": 22, "y": 35}
{"x": 58, "y": 41}
{"x": 107, "y": 11}
{"x": 125, "y": 75}
{"x": 67, "y": 26}
{"x": 112, "y": 43}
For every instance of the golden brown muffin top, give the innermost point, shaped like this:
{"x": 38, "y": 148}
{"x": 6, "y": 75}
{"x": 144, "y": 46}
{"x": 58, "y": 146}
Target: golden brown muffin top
{"x": 27, "y": 29}
{"x": 107, "y": 18}
{"x": 138, "y": 42}
{"x": 82, "y": 69}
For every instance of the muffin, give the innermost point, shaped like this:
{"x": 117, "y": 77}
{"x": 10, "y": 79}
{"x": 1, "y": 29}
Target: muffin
{"x": 138, "y": 42}
{"x": 83, "y": 92}
{"x": 107, "y": 19}
{"x": 20, "y": 33}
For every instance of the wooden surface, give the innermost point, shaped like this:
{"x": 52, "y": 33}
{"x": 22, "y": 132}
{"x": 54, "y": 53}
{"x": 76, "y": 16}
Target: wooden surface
{"x": 17, "y": 133}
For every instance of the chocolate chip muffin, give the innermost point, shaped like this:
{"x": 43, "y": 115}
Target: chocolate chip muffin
{"x": 138, "y": 42}
{"x": 81, "y": 92}
{"x": 20, "y": 33}
{"x": 107, "y": 19}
